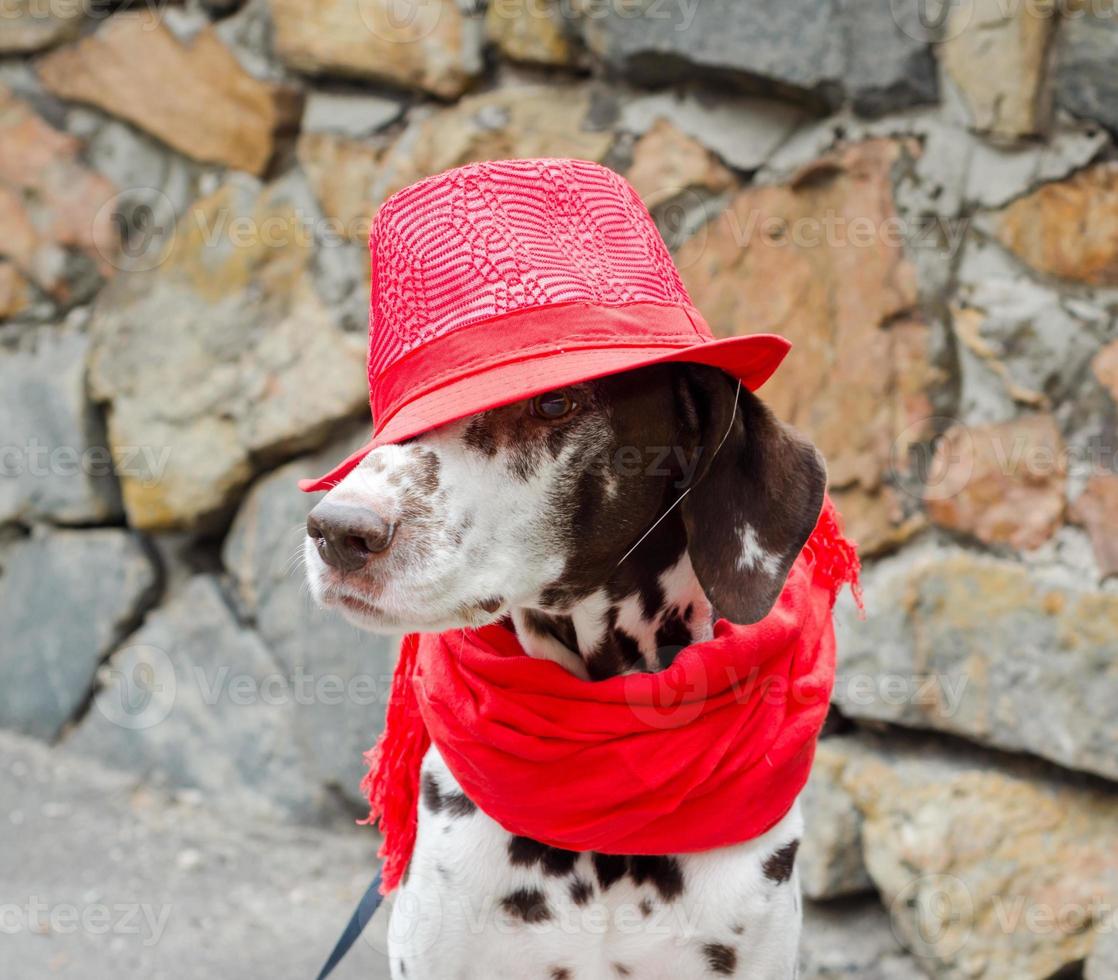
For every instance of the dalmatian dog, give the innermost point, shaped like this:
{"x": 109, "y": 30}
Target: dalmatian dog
{"x": 562, "y": 516}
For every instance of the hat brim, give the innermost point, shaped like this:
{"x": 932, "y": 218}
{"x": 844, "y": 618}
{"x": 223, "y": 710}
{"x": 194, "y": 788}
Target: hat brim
{"x": 751, "y": 359}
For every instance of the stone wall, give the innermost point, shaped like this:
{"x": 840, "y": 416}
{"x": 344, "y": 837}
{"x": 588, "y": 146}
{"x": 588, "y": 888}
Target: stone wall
{"x": 922, "y": 196}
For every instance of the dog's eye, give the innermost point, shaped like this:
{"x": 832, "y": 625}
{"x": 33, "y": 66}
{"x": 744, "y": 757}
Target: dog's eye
{"x": 552, "y": 407}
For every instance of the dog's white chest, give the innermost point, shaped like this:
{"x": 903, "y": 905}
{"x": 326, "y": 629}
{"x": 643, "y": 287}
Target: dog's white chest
{"x": 479, "y": 904}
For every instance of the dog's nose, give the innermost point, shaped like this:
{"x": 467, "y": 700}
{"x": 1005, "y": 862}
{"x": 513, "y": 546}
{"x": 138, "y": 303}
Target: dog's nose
{"x": 346, "y": 536}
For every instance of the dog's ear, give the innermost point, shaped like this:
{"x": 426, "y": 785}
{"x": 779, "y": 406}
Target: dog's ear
{"x": 755, "y": 494}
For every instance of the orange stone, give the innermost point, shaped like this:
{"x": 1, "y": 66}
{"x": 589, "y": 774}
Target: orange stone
{"x": 50, "y": 202}
{"x": 667, "y": 162}
{"x": 821, "y": 260}
{"x": 1068, "y": 229}
{"x": 1002, "y": 483}
{"x": 1096, "y": 509}
{"x": 1105, "y": 367}
{"x": 195, "y": 97}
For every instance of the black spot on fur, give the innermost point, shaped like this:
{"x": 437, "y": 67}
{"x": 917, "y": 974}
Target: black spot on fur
{"x": 721, "y": 959}
{"x": 527, "y": 904}
{"x": 459, "y": 804}
{"x": 525, "y": 853}
{"x": 560, "y": 973}
{"x": 779, "y": 865}
{"x": 737, "y": 929}
{"x": 617, "y": 653}
{"x": 663, "y": 873}
{"x": 645, "y": 907}
{"x": 610, "y": 868}
{"x": 581, "y": 891}
{"x": 432, "y": 796}
{"x": 621, "y": 970}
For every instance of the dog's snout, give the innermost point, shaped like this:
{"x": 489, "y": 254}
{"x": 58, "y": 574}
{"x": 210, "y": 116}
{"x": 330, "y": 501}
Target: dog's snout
{"x": 346, "y": 536}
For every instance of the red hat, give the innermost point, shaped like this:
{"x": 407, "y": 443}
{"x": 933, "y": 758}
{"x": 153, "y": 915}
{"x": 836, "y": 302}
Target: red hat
{"x": 499, "y": 281}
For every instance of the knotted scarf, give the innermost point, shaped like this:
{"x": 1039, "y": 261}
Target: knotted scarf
{"x": 709, "y": 752}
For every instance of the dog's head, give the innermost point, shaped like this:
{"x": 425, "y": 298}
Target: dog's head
{"x": 535, "y": 504}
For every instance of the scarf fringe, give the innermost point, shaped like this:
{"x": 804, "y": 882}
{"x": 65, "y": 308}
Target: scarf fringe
{"x": 392, "y": 783}
{"x": 834, "y": 557}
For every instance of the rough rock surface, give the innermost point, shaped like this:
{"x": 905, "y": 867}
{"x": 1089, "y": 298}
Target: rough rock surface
{"x": 852, "y": 940}
{"x": 135, "y": 68}
{"x": 14, "y": 295}
{"x": 229, "y": 320}
{"x": 349, "y": 113}
{"x": 102, "y": 580}
{"x": 1105, "y": 367}
{"x": 137, "y": 885}
{"x": 988, "y": 649}
{"x": 821, "y": 51}
{"x": 830, "y": 858}
{"x": 1102, "y": 964}
{"x": 1096, "y": 509}
{"x": 1020, "y": 345}
{"x": 529, "y": 121}
{"x": 531, "y": 31}
{"x": 821, "y": 261}
{"x": 29, "y": 25}
{"x": 1003, "y": 483}
{"x": 431, "y": 46}
{"x": 998, "y": 55}
{"x": 343, "y": 173}
{"x": 743, "y": 131}
{"x": 1086, "y": 53}
{"x": 345, "y": 673}
{"x": 194, "y": 700}
{"x": 989, "y": 868}
{"x": 55, "y": 463}
{"x": 54, "y": 226}
{"x": 1069, "y": 229}
{"x": 667, "y": 163}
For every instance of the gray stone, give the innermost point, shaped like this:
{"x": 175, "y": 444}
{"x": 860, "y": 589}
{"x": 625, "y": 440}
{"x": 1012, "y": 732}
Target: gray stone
{"x": 346, "y": 672}
{"x": 826, "y": 52}
{"x": 1102, "y": 964}
{"x": 141, "y": 167}
{"x": 168, "y": 888}
{"x": 349, "y": 113}
{"x": 955, "y": 171}
{"x": 830, "y": 856}
{"x": 222, "y": 359}
{"x": 193, "y": 699}
{"x": 990, "y": 866}
{"x": 65, "y": 598}
{"x": 1020, "y": 658}
{"x": 1021, "y": 344}
{"x": 1086, "y": 56}
{"x": 742, "y": 131}
{"x": 852, "y": 940}
{"x": 54, "y": 463}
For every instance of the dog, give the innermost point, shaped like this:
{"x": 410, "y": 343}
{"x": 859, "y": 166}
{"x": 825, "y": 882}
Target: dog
{"x": 609, "y": 523}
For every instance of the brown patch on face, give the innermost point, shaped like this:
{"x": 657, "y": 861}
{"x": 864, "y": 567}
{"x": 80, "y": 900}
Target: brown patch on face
{"x": 526, "y": 442}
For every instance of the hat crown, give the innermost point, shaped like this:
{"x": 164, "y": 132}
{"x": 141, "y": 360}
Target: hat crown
{"x": 492, "y": 238}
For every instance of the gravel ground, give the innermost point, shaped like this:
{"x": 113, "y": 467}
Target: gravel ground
{"x": 103, "y": 880}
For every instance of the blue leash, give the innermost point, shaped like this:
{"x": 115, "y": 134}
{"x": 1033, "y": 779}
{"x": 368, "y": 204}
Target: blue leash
{"x": 365, "y": 910}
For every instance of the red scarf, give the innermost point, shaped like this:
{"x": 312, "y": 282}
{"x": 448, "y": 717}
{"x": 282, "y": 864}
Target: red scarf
{"x": 710, "y": 752}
